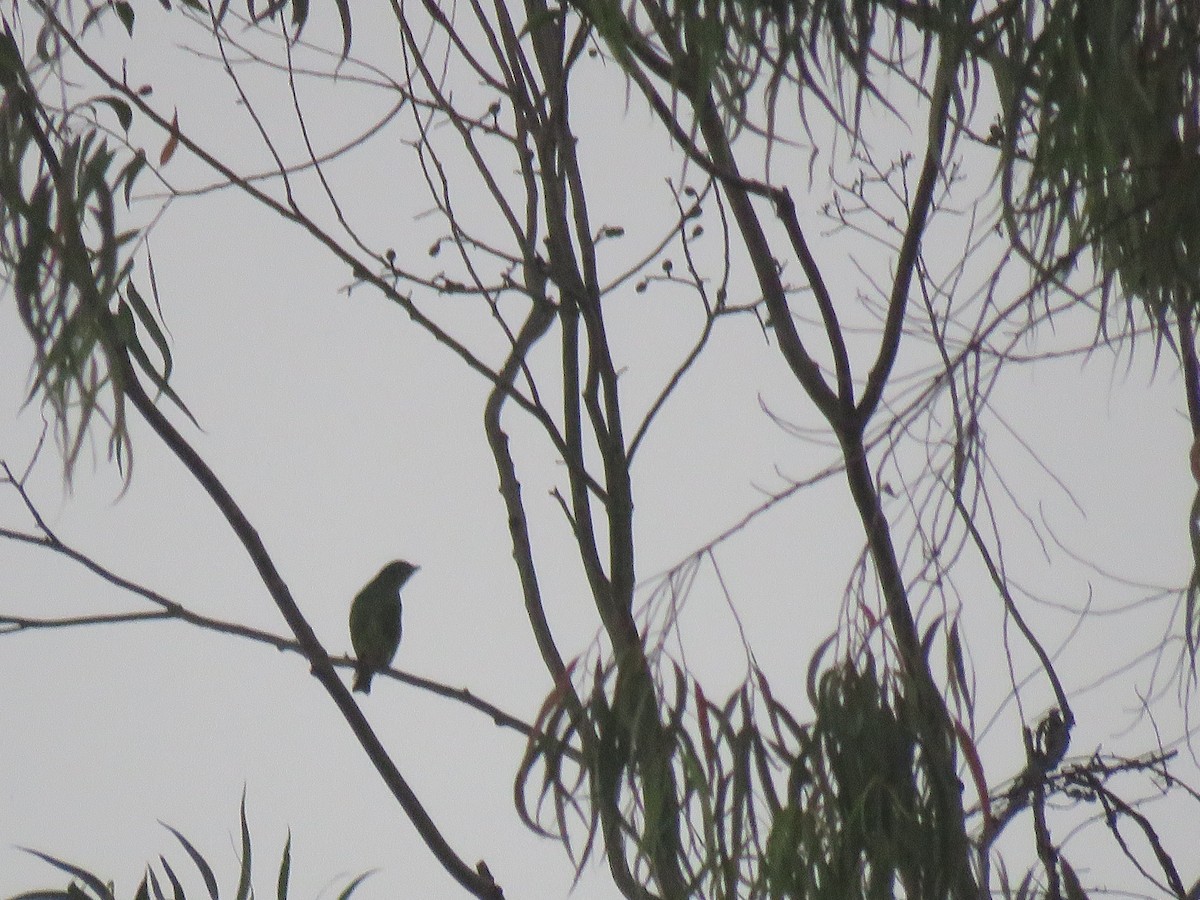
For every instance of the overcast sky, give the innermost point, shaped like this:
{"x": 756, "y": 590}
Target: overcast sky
{"x": 351, "y": 438}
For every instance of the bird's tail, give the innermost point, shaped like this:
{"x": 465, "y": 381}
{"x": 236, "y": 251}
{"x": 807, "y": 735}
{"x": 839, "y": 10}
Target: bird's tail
{"x": 362, "y": 678}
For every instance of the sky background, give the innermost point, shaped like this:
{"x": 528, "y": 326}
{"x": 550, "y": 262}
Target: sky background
{"x": 351, "y": 438}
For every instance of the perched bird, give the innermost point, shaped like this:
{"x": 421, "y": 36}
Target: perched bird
{"x": 375, "y": 622}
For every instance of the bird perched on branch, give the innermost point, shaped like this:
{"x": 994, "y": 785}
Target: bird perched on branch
{"x": 375, "y": 622}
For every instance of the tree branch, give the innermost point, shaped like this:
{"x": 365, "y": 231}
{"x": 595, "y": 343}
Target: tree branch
{"x": 77, "y": 273}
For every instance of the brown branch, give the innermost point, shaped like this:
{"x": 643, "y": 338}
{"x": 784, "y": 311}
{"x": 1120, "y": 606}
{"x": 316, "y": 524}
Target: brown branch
{"x": 541, "y": 316}
{"x": 803, "y": 366}
{"x": 910, "y": 245}
{"x": 786, "y": 209}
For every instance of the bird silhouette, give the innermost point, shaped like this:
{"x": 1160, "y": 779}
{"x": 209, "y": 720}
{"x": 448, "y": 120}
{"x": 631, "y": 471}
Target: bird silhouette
{"x": 375, "y": 622}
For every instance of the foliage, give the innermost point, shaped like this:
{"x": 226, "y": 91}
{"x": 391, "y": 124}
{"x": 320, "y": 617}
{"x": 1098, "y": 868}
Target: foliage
{"x": 69, "y": 266}
{"x": 1102, "y": 109}
{"x": 837, "y": 807}
{"x": 87, "y": 886}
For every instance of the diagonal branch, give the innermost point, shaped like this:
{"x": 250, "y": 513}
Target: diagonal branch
{"x": 77, "y": 273}
{"x": 803, "y": 366}
{"x": 906, "y": 261}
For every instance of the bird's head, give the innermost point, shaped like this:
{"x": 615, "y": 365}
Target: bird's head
{"x": 396, "y": 573}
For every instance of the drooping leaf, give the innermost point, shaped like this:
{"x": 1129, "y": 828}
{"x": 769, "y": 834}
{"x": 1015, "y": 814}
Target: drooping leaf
{"x": 353, "y": 885}
{"x": 146, "y": 317}
{"x": 98, "y": 887}
{"x": 124, "y": 12}
{"x": 176, "y": 885}
{"x": 121, "y": 108}
{"x": 206, "y": 872}
{"x": 130, "y": 173}
{"x": 11, "y": 66}
{"x": 172, "y": 143}
{"x": 299, "y": 15}
{"x": 344, "y": 11}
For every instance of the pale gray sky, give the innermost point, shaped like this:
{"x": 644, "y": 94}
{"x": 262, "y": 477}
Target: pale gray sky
{"x": 350, "y": 438}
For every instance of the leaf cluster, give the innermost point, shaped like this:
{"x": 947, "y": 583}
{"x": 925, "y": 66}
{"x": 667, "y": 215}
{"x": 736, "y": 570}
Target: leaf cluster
{"x": 765, "y": 806}
{"x": 169, "y": 885}
{"x": 1102, "y": 132}
{"x": 745, "y": 51}
{"x": 68, "y": 265}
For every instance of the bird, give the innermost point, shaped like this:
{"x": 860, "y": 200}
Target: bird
{"x": 375, "y": 622}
